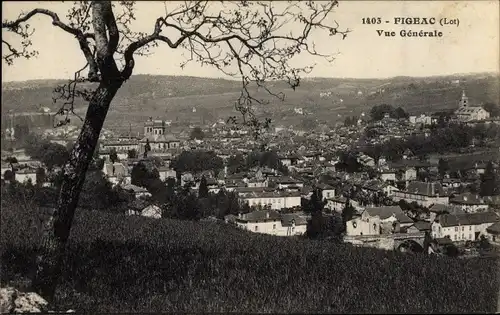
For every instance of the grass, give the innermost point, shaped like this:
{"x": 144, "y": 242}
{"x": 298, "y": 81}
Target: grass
{"x": 133, "y": 264}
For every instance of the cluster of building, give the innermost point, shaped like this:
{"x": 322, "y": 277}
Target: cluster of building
{"x": 311, "y": 160}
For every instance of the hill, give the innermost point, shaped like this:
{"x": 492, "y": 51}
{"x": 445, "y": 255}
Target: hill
{"x": 324, "y": 99}
{"x": 133, "y": 264}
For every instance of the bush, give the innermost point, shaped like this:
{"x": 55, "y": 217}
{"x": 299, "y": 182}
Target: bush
{"x": 134, "y": 264}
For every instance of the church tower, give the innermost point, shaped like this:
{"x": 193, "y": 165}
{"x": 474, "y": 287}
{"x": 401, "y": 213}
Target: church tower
{"x": 464, "y": 101}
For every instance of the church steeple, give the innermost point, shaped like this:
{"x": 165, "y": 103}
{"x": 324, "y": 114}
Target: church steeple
{"x": 464, "y": 101}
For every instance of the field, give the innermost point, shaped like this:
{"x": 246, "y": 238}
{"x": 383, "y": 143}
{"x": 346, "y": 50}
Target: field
{"x": 133, "y": 264}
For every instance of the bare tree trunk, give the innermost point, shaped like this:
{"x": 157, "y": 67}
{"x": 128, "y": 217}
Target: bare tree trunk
{"x": 57, "y": 228}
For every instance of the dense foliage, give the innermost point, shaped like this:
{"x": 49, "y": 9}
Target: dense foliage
{"x": 136, "y": 264}
{"x": 450, "y": 138}
{"x": 197, "y": 161}
{"x": 378, "y": 112}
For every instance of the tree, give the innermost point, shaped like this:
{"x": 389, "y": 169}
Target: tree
{"x": 147, "y": 148}
{"x": 40, "y": 176}
{"x": 203, "y": 189}
{"x": 132, "y": 154}
{"x": 197, "y": 134}
{"x": 399, "y": 113}
{"x": 378, "y": 112}
{"x": 236, "y": 163}
{"x": 113, "y": 156}
{"x": 220, "y": 38}
{"x": 443, "y": 167}
{"x": 54, "y": 155}
{"x": 9, "y": 175}
{"x": 492, "y": 108}
{"x": 315, "y": 204}
{"x": 488, "y": 186}
{"x": 347, "y": 213}
{"x": 143, "y": 173}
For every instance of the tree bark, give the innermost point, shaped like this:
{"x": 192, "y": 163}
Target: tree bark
{"x": 56, "y": 229}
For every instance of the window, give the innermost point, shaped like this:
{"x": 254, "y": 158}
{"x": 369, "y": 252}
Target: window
{"x": 374, "y": 226}
{"x": 274, "y": 226}
{"x": 470, "y": 236}
{"x": 463, "y": 236}
{"x": 256, "y": 228}
{"x": 470, "y": 227}
{"x": 463, "y": 227}
{"x": 455, "y": 236}
{"x": 354, "y": 224}
{"x": 456, "y": 228}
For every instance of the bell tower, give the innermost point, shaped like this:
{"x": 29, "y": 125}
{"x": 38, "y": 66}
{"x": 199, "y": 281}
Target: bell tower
{"x": 464, "y": 101}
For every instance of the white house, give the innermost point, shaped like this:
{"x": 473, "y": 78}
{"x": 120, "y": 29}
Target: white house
{"x": 26, "y": 174}
{"x": 276, "y": 200}
{"x": 166, "y": 172}
{"x": 273, "y": 223}
{"x": 463, "y": 227}
{"x": 336, "y": 203}
{"x": 388, "y": 175}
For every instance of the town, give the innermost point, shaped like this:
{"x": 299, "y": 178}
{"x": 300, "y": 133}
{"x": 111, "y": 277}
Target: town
{"x": 386, "y": 179}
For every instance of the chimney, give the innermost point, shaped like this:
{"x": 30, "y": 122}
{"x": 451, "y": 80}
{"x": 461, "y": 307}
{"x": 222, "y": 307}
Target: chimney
{"x": 267, "y": 215}
{"x": 432, "y": 189}
{"x": 239, "y": 215}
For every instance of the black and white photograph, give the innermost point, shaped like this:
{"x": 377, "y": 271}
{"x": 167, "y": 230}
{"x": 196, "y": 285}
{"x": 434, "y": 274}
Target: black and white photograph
{"x": 250, "y": 157}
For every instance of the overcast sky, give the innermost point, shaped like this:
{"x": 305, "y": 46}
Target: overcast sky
{"x": 473, "y": 46}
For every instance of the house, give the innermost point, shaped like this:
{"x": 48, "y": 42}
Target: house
{"x": 25, "y": 175}
{"x": 166, "y": 172}
{"x": 271, "y": 222}
{"x": 438, "y": 209}
{"x": 136, "y": 190}
{"x": 116, "y": 173}
{"x": 275, "y": 200}
{"x": 463, "y": 227}
{"x": 423, "y": 193}
{"x": 409, "y": 174}
{"x": 336, "y": 203}
{"x": 288, "y": 182}
{"x": 388, "y": 175}
{"x": 366, "y": 160}
{"x": 152, "y": 211}
{"x": 494, "y": 232}
{"x": 121, "y": 146}
{"x": 257, "y": 182}
{"x": 293, "y": 224}
{"x": 470, "y": 203}
{"x": 327, "y": 191}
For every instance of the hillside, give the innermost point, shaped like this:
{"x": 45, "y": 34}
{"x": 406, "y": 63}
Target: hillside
{"x": 133, "y": 264}
{"x": 173, "y": 97}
